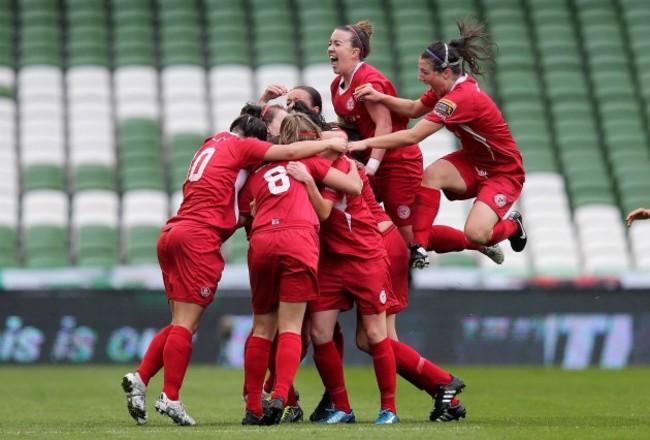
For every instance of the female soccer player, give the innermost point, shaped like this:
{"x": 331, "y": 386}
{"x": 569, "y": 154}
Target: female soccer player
{"x": 488, "y": 166}
{"x": 396, "y": 174}
{"x": 282, "y": 261}
{"x": 189, "y": 252}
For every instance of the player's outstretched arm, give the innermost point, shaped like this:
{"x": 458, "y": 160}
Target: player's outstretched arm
{"x": 401, "y": 138}
{"x": 303, "y": 149}
{"x": 404, "y": 107}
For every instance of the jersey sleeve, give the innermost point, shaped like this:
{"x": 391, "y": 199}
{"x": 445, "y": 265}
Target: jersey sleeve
{"x": 455, "y": 108}
{"x": 317, "y": 167}
{"x": 429, "y": 99}
{"x": 252, "y": 151}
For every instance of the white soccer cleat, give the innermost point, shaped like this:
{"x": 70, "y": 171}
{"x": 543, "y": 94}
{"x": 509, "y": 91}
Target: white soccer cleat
{"x": 136, "y": 397}
{"x": 174, "y": 409}
{"x": 494, "y": 253}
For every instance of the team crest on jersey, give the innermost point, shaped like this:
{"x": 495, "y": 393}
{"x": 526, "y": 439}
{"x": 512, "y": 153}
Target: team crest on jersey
{"x": 444, "y": 108}
{"x": 205, "y": 292}
{"x": 500, "y": 200}
{"x": 350, "y": 104}
{"x": 403, "y": 212}
{"x": 382, "y": 297}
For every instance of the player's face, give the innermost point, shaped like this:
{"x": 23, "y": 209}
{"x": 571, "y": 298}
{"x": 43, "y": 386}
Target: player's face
{"x": 273, "y": 127}
{"x": 343, "y": 57}
{"x": 296, "y": 95}
{"x": 434, "y": 79}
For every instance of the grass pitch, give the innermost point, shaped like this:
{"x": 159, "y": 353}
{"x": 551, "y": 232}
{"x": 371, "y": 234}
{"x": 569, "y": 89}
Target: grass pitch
{"x": 86, "y": 402}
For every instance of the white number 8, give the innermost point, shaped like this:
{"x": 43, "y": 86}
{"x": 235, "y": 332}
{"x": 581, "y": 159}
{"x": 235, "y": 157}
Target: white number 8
{"x": 277, "y": 179}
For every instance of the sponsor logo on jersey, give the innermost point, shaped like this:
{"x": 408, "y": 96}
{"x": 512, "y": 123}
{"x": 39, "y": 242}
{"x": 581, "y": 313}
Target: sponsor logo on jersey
{"x": 350, "y": 104}
{"x": 403, "y": 211}
{"x": 444, "y": 108}
{"x": 205, "y": 292}
{"x": 382, "y": 297}
{"x": 500, "y": 200}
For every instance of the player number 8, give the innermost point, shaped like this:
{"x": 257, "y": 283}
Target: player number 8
{"x": 277, "y": 180}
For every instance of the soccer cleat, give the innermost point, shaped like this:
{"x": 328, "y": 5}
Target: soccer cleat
{"x": 445, "y": 395}
{"x": 136, "y": 397}
{"x": 250, "y": 419}
{"x": 273, "y": 413}
{"x": 494, "y": 253}
{"x": 174, "y": 409}
{"x": 336, "y": 416}
{"x": 455, "y": 412}
{"x": 419, "y": 258}
{"x": 292, "y": 414}
{"x": 518, "y": 239}
{"x": 386, "y": 417}
{"x": 320, "y": 412}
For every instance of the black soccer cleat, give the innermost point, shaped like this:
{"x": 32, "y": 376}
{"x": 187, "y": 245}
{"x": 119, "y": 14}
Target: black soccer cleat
{"x": 273, "y": 413}
{"x": 445, "y": 395}
{"x": 250, "y": 419}
{"x": 419, "y": 258}
{"x": 518, "y": 239}
{"x": 292, "y": 414}
{"x": 455, "y": 412}
{"x": 320, "y": 412}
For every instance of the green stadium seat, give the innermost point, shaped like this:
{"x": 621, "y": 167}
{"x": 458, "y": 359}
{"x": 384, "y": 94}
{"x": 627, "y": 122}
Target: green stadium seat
{"x": 141, "y": 244}
{"x": 43, "y": 177}
{"x": 97, "y": 246}
{"x": 46, "y": 247}
{"x": 8, "y": 247}
{"x": 87, "y": 177}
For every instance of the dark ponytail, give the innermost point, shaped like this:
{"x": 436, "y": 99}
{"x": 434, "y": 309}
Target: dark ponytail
{"x": 249, "y": 126}
{"x": 473, "y": 46}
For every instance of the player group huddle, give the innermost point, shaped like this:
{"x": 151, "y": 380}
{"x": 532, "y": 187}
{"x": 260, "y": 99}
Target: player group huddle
{"x": 335, "y": 213}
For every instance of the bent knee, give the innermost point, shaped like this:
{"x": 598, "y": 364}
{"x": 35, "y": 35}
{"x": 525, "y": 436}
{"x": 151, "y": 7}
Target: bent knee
{"x": 477, "y": 235}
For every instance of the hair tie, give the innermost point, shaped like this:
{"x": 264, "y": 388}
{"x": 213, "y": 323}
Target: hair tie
{"x": 312, "y": 134}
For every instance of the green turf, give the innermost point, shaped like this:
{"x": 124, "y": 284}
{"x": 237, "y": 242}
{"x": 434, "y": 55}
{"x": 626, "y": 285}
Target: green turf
{"x": 503, "y": 403}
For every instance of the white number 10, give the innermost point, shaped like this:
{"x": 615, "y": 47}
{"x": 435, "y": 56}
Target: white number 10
{"x": 277, "y": 180}
{"x": 199, "y": 163}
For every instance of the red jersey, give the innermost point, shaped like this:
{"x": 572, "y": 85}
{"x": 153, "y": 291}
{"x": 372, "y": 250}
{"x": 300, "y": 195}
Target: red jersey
{"x": 351, "y": 229}
{"x": 369, "y": 196}
{"x": 474, "y": 118}
{"x": 355, "y": 112}
{"x": 216, "y": 174}
{"x": 280, "y": 200}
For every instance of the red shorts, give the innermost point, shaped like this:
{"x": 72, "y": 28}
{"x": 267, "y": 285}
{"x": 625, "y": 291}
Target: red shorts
{"x": 498, "y": 191}
{"x": 346, "y": 280}
{"x": 283, "y": 265}
{"x": 191, "y": 262}
{"x": 398, "y": 258}
{"x": 396, "y": 185}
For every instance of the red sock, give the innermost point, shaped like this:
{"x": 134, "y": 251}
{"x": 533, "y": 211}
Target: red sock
{"x": 176, "y": 356}
{"x": 287, "y": 360}
{"x": 330, "y": 367}
{"x": 443, "y": 239}
{"x": 255, "y": 363}
{"x": 338, "y": 339}
{"x": 269, "y": 383}
{"x": 420, "y": 371}
{"x": 384, "y": 361}
{"x": 152, "y": 361}
{"x": 248, "y": 338}
{"x": 425, "y": 210}
{"x": 502, "y": 230}
{"x": 292, "y": 397}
